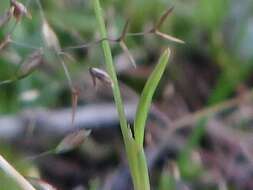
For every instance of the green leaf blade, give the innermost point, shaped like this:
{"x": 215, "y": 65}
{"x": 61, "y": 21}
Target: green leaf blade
{"x": 146, "y": 97}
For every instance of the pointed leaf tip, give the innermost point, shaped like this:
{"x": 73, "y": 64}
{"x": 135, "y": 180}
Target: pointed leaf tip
{"x": 101, "y": 75}
{"x": 146, "y": 97}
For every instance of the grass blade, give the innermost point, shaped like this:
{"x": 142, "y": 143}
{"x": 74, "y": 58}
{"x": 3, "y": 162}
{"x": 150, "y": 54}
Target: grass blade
{"x": 146, "y": 98}
{"x": 15, "y": 175}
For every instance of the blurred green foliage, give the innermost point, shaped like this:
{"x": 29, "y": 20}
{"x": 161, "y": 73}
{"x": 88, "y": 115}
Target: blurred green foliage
{"x": 74, "y": 23}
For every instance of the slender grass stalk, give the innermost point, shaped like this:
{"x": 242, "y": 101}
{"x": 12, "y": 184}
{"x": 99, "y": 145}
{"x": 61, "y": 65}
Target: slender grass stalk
{"x": 110, "y": 69}
{"x": 133, "y": 143}
{"x": 126, "y": 132}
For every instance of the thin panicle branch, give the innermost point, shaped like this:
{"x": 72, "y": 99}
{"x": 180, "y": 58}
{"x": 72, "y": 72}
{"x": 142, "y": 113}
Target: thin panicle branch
{"x": 163, "y": 18}
{"x": 126, "y": 50}
{"x": 88, "y": 44}
{"x": 123, "y": 45}
{"x": 136, "y": 34}
{"x": 40, "y": 155}
{"x": 67, "y": 55}
{"x": 23, "y": 45}
{"x": 75, "y": 95}
{"x": 66, "y": 71}
{"x": 156, "y": 29}
{"x": 124, "y": 31}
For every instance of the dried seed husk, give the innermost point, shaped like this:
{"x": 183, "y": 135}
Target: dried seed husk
{"x": 30, "y": 64}
{"x": 72, "y": 141}
{"x": 50, "y": 37}
{"x": 169, "y": 37}
{"x": 99, "y": 74}
{"x": 19, "y": 10}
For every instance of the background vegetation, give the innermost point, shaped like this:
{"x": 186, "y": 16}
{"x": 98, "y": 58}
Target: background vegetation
{"x": 213, "y": 67}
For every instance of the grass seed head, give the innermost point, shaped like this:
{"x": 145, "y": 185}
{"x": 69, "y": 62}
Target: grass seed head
{"x": 50, "y": 37}
{"x": 101, "y": 75}
{"x": 30, "y": 64}
{"x": 19, "y": 10}
{"x": 72, "y": 141}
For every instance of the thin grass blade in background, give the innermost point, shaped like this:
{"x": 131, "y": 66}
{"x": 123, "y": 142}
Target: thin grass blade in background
{"x": 5, "y": 18}
{"x": 146, "y": 98}
{"x": 15, "y": 175}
